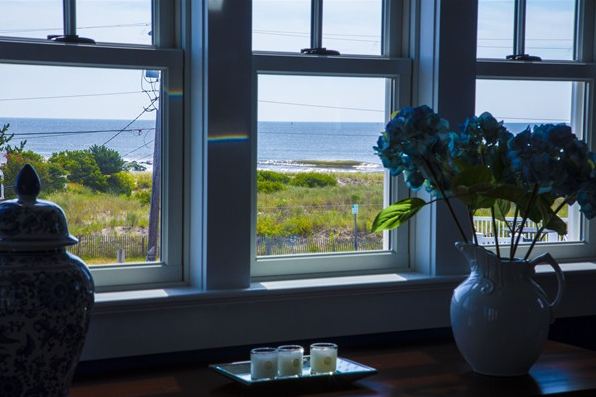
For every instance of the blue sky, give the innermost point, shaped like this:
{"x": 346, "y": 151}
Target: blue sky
{"x": 351, "y": 26}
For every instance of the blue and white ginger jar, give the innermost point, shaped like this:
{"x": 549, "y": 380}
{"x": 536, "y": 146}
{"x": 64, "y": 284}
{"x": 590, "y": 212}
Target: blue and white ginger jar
{"x": 46, "y": 296}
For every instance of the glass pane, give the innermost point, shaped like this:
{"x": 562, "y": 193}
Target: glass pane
{"x": 353, "y": 27}
{"x": 523, "y": 103}
{"x": 31, "y": 18}
{"x": 550, "y": 28}
{"x": 280, "y": 25}
{"x": 90, "y": 133}
{"x": 319, "y": 183}
{"x": 115, "y": 21}
{"x": 495, "y": 28}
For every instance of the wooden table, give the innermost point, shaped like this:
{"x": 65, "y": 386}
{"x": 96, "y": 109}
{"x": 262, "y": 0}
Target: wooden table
{"x": 430, "y": 370}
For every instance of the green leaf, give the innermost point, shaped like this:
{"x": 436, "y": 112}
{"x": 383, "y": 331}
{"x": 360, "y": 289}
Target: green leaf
{"x": 472, "y": 175}
{"x": 548, "y": 217}
{"x": 502, "y": 208}
{"x": 470, "y": 184}
{"x": 396, "y": 214}
{"x": 557, "y": 224}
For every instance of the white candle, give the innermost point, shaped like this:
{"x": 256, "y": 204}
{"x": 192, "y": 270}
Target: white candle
{"x": 263, "y": 363}
{"x": 289, "y": 360}
{"x": 323, "y": 358}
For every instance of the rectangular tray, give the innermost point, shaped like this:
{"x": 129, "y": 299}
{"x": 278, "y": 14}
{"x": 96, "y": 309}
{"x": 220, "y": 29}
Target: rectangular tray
{"x": 347, "y": 371}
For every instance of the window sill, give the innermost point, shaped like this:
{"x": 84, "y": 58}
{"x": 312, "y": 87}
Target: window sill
{"x": 410, "y": 280}
{"x": 180, "y": 319}
{"x": 113, "y": 301}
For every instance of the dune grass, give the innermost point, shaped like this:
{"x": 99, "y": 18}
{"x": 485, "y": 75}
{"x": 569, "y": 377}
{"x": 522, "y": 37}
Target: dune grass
{"x": 307, "y": 211}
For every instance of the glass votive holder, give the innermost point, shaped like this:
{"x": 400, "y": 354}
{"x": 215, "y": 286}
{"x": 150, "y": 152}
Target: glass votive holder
{"x": 263, "y": 363}
{"x": 289, "y": 360}
{"x": 323, "y": 358}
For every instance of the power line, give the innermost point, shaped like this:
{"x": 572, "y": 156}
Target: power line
{"x": 308, "y": 33}
{"x": 324, "y": 36}
{"x": 355, "y": 135}
{"x": 527, "y": 39}
{"x": 528, "y": 47}
{"x": 144, "y": 157}
{"x": 138, "y": 24}
{"x": 71, "y": 96}
{"x": 139, "y": 148}
{"x": 44, "y": 134}
{"x": 534, "y": 121}
{"x": 321, "y": 106}
{"x": 145, "y": 110}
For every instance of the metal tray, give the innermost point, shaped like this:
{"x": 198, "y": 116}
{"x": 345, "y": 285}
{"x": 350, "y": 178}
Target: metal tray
{"x": 347, "y": 371}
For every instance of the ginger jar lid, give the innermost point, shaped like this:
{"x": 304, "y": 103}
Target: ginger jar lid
{"x": 29, "y": 224}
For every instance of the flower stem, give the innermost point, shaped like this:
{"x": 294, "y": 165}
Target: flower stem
{"x": 451, "y": 211}
{"x": 539, "y": 232}
{"x": 513, "y": 232}
{"x": 525, "y": 218}
{"x": 471, "y": 216}
{"x": 494, "y": 222}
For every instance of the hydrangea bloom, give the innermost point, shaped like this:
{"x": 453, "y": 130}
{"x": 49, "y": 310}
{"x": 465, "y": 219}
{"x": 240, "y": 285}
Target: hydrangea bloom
{"x": 415, "y": 143}
{"x": 552, "y": 157}
{"x": 586, "y": 199}
{"x": 485, "y": 166}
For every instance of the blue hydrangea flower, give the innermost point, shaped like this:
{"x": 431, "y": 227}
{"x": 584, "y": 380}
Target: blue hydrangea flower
{"x": 586, "y": 198}
{"x": 413, "y": 143}
{"x": 552, "y": 157}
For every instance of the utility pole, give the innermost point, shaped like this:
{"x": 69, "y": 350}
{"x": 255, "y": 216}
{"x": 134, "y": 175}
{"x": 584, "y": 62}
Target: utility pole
{"x": 154, "y": 211}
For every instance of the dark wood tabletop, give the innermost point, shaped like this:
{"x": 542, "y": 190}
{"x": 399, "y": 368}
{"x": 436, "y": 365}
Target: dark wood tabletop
{"x": 430, "y": 370}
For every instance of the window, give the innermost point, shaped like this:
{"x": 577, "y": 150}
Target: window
{"x": 539, "y": 28}
{"x": 100, "y": 123}
{"x": 318, "y": 183}
{"x": 554, "y": 90}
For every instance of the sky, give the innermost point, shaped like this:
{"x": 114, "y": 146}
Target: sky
{"x": 350, "y": 26}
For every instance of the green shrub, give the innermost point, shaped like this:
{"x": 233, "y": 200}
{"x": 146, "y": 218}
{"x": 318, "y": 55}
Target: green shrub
{"x": 313, "y": 179}
{"x": 272, "y": 176}
{"x": 269, "y": 226}
{"x": 81, "y": 168}
{"x": 121, "y": 183}
{"x": 108, "y": 160}
{"x": 143, "y": 196}
{"x": 298, "y": 226}
{"x": 52, "y": 175}
{"x": 144, "y": 180}
{"x": 269, "y": 186}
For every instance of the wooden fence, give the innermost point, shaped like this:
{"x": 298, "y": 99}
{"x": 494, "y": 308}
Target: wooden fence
{"x": 111, "y": 246}
{"x": 306, "y": 245}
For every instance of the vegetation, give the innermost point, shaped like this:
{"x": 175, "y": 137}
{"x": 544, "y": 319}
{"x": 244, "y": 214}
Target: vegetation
{"x": 300, "y": 210}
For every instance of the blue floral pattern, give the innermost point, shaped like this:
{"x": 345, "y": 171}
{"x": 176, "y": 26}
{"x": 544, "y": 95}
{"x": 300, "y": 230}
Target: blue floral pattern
{"x": 45, "y": 302}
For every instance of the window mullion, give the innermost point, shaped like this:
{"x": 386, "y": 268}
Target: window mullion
{"x": 163, "y": 31}
{"x": 316, "y": 24}
{"x": 519, "y": 29}
{"x": 70, "y": 17}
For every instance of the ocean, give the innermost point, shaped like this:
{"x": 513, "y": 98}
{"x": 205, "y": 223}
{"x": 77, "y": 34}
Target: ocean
{"x": 282, "y": 146}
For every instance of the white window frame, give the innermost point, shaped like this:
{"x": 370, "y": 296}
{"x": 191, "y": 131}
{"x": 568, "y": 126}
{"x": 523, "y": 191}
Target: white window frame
{"x": 165, "y": 56}
{"x": 582, "y": 71}
{"x": 397, "y": 70}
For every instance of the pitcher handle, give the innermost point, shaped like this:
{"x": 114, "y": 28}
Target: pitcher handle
{"x": 549, "y": 260}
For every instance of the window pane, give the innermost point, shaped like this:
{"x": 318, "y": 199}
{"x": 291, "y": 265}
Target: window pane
{"x": 116, "y": 21}
{"x": 90, "y": 133}
{"x": 550, "y": 28}
{"x": 495, "y": 28}
{"x": 522, "y": 103}
{"x": 280, "y": 25}
{"x": 316, "y": 164}
{"x": 353, "y": 27}
{"x": 31, "y": 18}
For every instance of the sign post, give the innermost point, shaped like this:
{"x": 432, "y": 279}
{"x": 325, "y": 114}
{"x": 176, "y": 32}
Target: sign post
{"x": 355, "y": 213}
